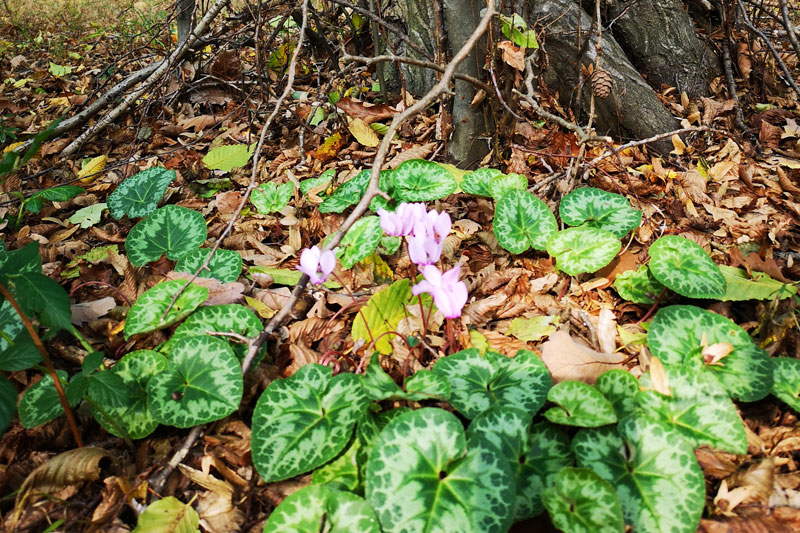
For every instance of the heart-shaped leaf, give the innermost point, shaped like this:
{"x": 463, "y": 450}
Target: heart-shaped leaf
{"x": 88, "y": 216}
{"x": 360, "y": 241}
{"x": 477, "y": 182}
{"x": 786, "y": 386}
{"x": 146, "y": 314}
{"x": 138, "y": 196}
{"x": 307, "y": 508}
{"x": 348, "y": 193}
{"x": 523, "y": 221}
{"x": 684, "y": 267}
{"x": 228, "y": 157}
{"x": 583, "y": 249}
{"x": 271, "y": 198}
{"x": 620, "y": 388}
{"x": 17, "y": 351}
{"x": 422, "y": 460}
{"x": 132, "y": 413}
{"x": 342, "y": 473}
{"x": 226, "y": 265}
{"x": 653, "y": 468}
{"x": 534, "y": 455}
{"x": 676, "y": 337}
{"x": 423, "y": 385}
{"x": 202, "y": 383}
{"x": 504, "y": 183}
{"x": 226, "y": 318}
{"x": 418, "y": 180}
{"x": 638, "y": 286}
{"x": 320, "y": 182}
{"x": 580, "y": 500}
{"x": 479, "y": 382}
{"x": 698, "y": 408}
{"x": 40, "y": 403}
{"x": 596, "y": 208}
{"x": 304, "y": 421}
{"x": 579, "y": 404}
{"x": 171, "y": 230}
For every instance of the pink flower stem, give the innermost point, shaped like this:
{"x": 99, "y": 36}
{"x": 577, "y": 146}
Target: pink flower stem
{"x": 450, "y": 338}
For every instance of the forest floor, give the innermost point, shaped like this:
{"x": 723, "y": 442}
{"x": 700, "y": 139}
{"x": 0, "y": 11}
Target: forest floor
{"x": 735, "y": 193}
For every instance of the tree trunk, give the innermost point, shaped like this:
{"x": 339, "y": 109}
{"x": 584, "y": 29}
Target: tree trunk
{"x": 632, "y": 109}
{"x": 468, "y": 144}
{"x": 661, "y": 41}
{"x": 185, "y": 18}
{"x": 417, "y": 17}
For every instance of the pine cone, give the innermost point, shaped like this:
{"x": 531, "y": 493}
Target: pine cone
{"x": 602, "y": 83}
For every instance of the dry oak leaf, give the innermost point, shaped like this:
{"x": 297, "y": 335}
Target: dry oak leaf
{"x": 566, "y": 359}
{"x": 88, "y": 311}
{"x": 513, "y": 55}
{"x": 369, "y": 113}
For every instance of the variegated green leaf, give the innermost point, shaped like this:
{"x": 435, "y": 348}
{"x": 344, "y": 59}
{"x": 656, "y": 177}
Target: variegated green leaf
{"x": 228, "y": 157}
{"x": 580, "y": 501}
{"x": 17, "y": 351}
{"x": 348, "y": 193}
{"x": 579, "y": 404}
{"x": 418, "y": 180}
{"x": 684, "y": 267}
{"x": 786, "y": 381}
{"x": 202, "y": 383}
{"x": 596, "y": 208}
{"x": 653, "y": 468}
{"x": 676, "y": 337}
{"x": 479, "y": 382}
{"x": 422, "y": 476}
{"x": 271, "y": 198}
{"x": 583, "y": 249}
{"x": 132, "y": 413}
{"x": 40, "y": 403}
{"x": 638, "y": 286}
{"x": 620, "y": 388}
{"x": 504, "y": 183}
{"x": 225, "y": 266}
{"x": 172, "y": 230}
{"x": 423, "y": 385}
{"x": 477, "y": 182}
{"x": 146, "y": 314}
{"x": 138, "y": 196}
{"x": 319, "y": 508}
{"x": 343, "y": 471}
{"x": 523, "y": 221}
{"x": 360, "y": 241}
{"x": 304, "y": 421}
{"x": 698, "y": 408}
{"x": 322, "y": 181}
{"x": 390, "y": 244}
{"x": 224, "y": 318}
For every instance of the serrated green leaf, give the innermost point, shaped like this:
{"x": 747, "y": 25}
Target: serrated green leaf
{"x": 786, "y": 381}
{"x": 477, "y": 182}
{"x": 418, "y": 180}
{"x": 132, "y": 411}
{"x": 739, "y": 286}
{"x": 638, "y": 286}
{"x": 304, "y": 421}
{"x": 500, "y": 185}
{"x": 59, "y": 70}
{"x": 698, "y": 408}
{"x": 271, "y": 198}
{"x": 579, "y": 404}
{"x": 620, "y": 388}
{"x": 383, "y": 312}
{"x": 676, "y": 337}
{"x": 202, "y": 383}
{"x": 146, "y": 314}
{"x": 653, "y": 468}
{"x": 225, "y": 266}
{"x": 88, "y": 216}
{"x": 228, "y": 157}
{"x": 422, "y": 460}
{"x": 172, "y": 230}
{"x": 523, "y": 221}
{"x": 684, "y": 267}
{"x": 313, "y": 506}
{"x": 138, "y": 196}
{"x": 390, "y": 244}
{"x": 583, "y": 249}
{"x": 581, "y": 501}
{"x": 360, "y": 241}
{"x": 168, "y": 515}
{"x": 596, "y": 208}
{"x": 479, "y": 382}
{"x": 40, "y": 403}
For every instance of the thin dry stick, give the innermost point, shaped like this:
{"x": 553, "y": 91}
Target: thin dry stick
{"x": 163, "y": 67}
{"x": 37, "y": 341}
{"x": 372, "y": 189}
{"x": 790, "y": 32}
{"x": 640, "y": 142}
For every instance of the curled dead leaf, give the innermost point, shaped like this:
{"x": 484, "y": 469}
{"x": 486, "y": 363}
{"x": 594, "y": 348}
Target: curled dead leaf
{"x": 567, "y": 359}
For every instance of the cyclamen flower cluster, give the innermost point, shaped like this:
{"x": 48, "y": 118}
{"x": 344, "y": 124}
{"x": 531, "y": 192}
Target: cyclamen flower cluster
{"x": 316, "y": 264}
{"x": 425, "y": 232}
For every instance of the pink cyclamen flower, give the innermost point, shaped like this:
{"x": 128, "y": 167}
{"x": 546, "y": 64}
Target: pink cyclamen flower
{"x": 402, "y": 222}
{"x": 448, "y": 293}
{"x": 423, "y": 250}
{"x": 316, "y": 264}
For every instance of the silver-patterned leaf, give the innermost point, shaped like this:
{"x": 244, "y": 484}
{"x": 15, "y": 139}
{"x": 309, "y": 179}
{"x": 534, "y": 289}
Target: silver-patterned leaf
{"x": 147, "y": 313}
{"x": 580, "y": 500}
{"x": 314, "y": 507}
{"x": 138, "y": 196}
{"x": 579, "y": 404}
{"x": 638, "y": 286}
{"x": 360, "y": 241}
{"x": 684, "y": 267}
{"x": 504, "y": 183}
{"x": 172, "y": 230}
{"x": 225, "y": 266}
{"x": 418, "y": 180}
{"x": 40, "y": 403}
{"x": 522, "y": 221}
{"x": 601, "y": 209}
{"x": 583, "y": 249}
{"x": 271, "y": 198}
{"x": 786, "y": 377}
{"x": 477, "y": 182}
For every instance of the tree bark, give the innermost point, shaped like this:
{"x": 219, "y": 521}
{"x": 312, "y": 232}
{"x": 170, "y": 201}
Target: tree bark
{"x": 631, "y": 110}
{"x": 417, "y": 16}
{"x": 660, "y": 39}
{"x": 185, "y": 18}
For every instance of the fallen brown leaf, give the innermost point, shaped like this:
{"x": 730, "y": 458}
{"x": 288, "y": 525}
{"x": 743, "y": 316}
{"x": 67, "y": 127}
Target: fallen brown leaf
{"x": 566, "y": 359}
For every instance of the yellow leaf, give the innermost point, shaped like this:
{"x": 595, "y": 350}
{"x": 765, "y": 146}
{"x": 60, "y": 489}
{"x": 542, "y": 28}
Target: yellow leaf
{"x": 679, "y": 145}
{"x": 362, "y": 132}
{"x": 262, "y": 309}
{"x": 61, "y": 101}
{"x": 12, "y": 146}
{"x": 91, "y": 168}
